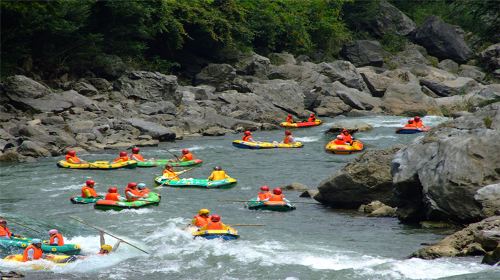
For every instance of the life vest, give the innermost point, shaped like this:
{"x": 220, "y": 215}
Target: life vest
{"x": 247, "y": 138}
{"x": 410, "y": 125}
{"x": 187, "y": 157}
{"x": 59, "y": 237}
{"x": 90, "y": 190}
{"x": 170, "y": 175}
{"x": 136, "y": 194}
{"x": 418, "y": 124}
{"x": 214, "y": 226}
{"x": 339, "y": 142}
{"x": 37, "y": 253}
{"x": 144, "y": 191}
{"x": 311, "y": 119}
{"x": 5, "y": 232}
{"x": 217, "y": 175}
{"x": 288, "y": 139}
{"x": 289, "y": 119}
{"x": 264, "y": 195}
{"x": 112, "y": 196}
{"x": 121, "y": 159}
{"x": 347, "y": 138}
{"x": 137, "y": 157}
{"x": 200, "y": 221}
{"x": 71, "y": 159}
{"x": 276, "y": 197}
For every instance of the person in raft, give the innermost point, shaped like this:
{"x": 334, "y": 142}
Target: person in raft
{"x": 278, "y": 196}
{"x": 186, "y": 155}
{"x": 347, "y": 136}
{"x": 106, "y": 249}
{"x": 339, "y": 140}
{"x": 289, "y": 118}
{"x": 264, "y": 194}
{"x": 214, "y": 224}
{"x": 5, "y": 232}
{"x": 132, "y": 193}
{"x": 72, "y": 158}
{"x": 33, "y": 251}
{"x": 247, "y": 136}
{"x": 410, "y": 124}
{"x": 88, "y": 190}
{"x": 56, "y": 238}
{"x": 135, "y": 155}
{"x": 218, "y": 174}
{"x": 202, "y": 218}
{"x": 418, "y": 122}
{"x": 143, "y": 189}
{"x": 113, "y": 194}
{"x": 312, "y": 118}
{"x": 123, "y": 157}
{"x": 288, "y": 138}
{"x": 169, "y": 173}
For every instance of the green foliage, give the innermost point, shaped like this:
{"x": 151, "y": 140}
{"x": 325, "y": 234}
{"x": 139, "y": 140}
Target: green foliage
{"x": 393, "y": 43}
{"x": 487, "y": 122}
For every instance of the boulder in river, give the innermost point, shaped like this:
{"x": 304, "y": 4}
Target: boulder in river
{"x": 352, "y": 125}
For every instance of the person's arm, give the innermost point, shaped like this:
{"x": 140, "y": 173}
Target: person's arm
{"x": 131, "y": 194}
{"x": 87, "y": 193}
{"x": 31, "y": 253}
{"x": 101, "y": 238}
{"x": 211, "y": 177}
{"x": 115, "y": 247}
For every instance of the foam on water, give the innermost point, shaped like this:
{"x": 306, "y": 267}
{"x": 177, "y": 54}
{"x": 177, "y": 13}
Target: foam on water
{"x": 127, "y": 212}
{"x": 378, "y": 137}
{"x": 308, "y": 139}
{"x": 195, "y": 148}
{"x": 64, "y": 188}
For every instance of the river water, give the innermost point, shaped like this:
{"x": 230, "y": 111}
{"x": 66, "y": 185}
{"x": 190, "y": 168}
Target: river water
{"x": 313, "y": 242}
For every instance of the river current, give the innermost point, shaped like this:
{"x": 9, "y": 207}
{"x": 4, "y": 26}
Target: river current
{"x": 312, "y": 242}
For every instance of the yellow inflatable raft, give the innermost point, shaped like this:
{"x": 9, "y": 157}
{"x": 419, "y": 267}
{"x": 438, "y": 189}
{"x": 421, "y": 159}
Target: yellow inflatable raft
{"x": 300, "y": 124}
{"x": 264, "y": 145}
{"x": 58, "y": 260}
{"x": 344, "y": 149}
{"x": 98, "y": 165}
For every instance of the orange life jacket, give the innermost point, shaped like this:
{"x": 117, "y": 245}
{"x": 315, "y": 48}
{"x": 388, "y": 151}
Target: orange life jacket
{"x": 347, "y": 138}
{"x": 71, "y": 159}
{"x": 121, "y": 159}
{"x": 5, "y": 232}
{"x": 276, "y": 197}
{"x": 289, "y": 119}
{"x": 187, "y": 157}
{"x": 60, "y": 240}
{"x": 112, "y": 196}
{"x": 419, "y": 124}
{"x": 170, "y": 175}
{"x": 288, "y": 139}
{"x": 339, "y": 142}
{"x": 37, "y": 253}
{"x": 200, "y": 221}
{"x": 214, "y": 226}
{"x": 247, "y": 138}
{"x": 90, "y": 190}
{"x": 134, "y": 192}
{"x": 137, "y": 157}
{"x": 410, "y": 125}
{"x": 264, "y": 195}
{"x": 311, "y": 119}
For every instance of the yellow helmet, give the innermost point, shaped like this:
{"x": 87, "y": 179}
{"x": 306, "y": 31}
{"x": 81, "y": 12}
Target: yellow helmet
{"x": 106, "y": 247}
{"x": 204, "y": 211}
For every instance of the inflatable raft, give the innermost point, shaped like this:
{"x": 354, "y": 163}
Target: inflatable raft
{"x": 99, "y": 165}
{"x": 152, "y": 199}
{"x": 69, "y": 249}
{"x": 404, "y": 130}
{"x": 162, "y": 162}
{"x": 264, "y": 145}
{"x": 197, "y": 183}
{"x": 85, "y": 200}
{"x": 57, "y": 259}
{"x": 229, "y": 234}
{"x": 300, "y": 124}
{"x": 279, "y": 206}
{"x": 344, "y": 149}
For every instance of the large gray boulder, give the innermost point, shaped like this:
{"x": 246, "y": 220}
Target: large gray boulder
{"x": 284, "y": 94}
{"x": 155, "y": 130}
{"x": 442, "y": 40}
{"x": 438, "y": 175}
{"x": 217, "y": 75}
{"x": 408, "y": 99}
{"x": 342, "y": 71}
{"x": 362, "y": 181}
{"x": 388, "y": 19}
{"x": 253, "y": 64}
{"x": 149, "y": 86}
{"x": 461, "y": 86}
{"x": 282, "y": 58}
{"x": 489, "y": 198}
{"x": 363, "y": 53}
{"x": 491, "y": 57}
{"x": 33, "y": 149}
{"x": 19, "y": 87}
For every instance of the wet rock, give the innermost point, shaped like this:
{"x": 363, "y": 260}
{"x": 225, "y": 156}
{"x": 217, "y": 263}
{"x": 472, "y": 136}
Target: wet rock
{"x": 442, "y": 40}
{"x": 408, "y": 99}
{"x": 390, "y": 20}
{"x": 489, "y": 198}
{"x": 217, "y": 75}
{"x": 377, "y": 209}
{"x": 489, "y": 239}
{"x": 295, "y": 187}
{"x": 361, "y": 181}
{"x": 11, "y": 155}
{"x": 448, "y": 65}
{"x": 149, "y": 86}
{"x": 492, "y": 258}
{"x": 84, "y": 88}
{"x": 282, "y": 58}
{"x": 352, "y": 125}
{"x": 309, "y": 193}
{"x": 363, "y": 53}
{"x": 461, "y": 243}
{"x": 214, "y": 131}
{"x": 490, "y": 57}
{"x": 33, "y": 149}
{"x": 11, "y": 275}
{"x": 436, "y": 225}
{"x": 156, "y": 131}
{"x": 437, "y": 176}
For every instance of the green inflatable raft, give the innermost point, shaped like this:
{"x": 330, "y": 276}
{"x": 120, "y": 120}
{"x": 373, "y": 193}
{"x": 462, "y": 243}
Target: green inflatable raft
{"x": 279, "y": 206}
{"x": 162, "y": 162}
{"x": 152, "y": 199}
{"x": 85, "y": 200}
{"x": 68, "y": 249}
{"x": 197, "y": 183}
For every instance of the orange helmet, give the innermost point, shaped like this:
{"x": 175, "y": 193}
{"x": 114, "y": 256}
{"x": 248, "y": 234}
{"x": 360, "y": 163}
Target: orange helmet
{"x": 90, "y": 183}
{"x": 277, "y": 191}
{"x": 215, "y": 218}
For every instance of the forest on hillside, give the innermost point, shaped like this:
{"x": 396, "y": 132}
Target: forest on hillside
{"x": 60, "y": 36}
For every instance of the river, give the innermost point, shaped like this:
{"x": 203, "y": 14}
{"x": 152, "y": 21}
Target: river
{"x": 313, "y": 242}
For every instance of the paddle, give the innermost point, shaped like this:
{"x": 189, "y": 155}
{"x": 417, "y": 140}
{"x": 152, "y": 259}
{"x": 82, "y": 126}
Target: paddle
{"x": 303, "y": 202}
{"x": 100, "y": 229}
{"x": 176, "y": 157}
{"x": 25, "y": 226}
{"x": 180, "y": 172}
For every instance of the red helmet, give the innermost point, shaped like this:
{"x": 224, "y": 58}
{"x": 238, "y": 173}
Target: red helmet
{"x": 135, "y": 150}
{"x": 123, "y": 154}
{"x": 288, "y": 132}
{"x": 264, "y": 188}
{"x": 90, "y": 183}
{"x": 277, "y": 191}
{"x": 215, "y": 218}
{"x": 344, "y": 130}
{"x": 113, "y": 190}
{"x": 247, "y": 132}
{"x": 3, "y": 222}
{"x": 72, "y": 153}
{"x": 311, "y": 115}
{"x": 289, "y": 115}
{"x": 185, "y": 151}
{"x": 132, "y": 185}
{"x": 340, "y": 137}
{"x": 410, "y": 121}
{"x": 417, "y": 118}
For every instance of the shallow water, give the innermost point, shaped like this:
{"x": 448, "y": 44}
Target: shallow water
{"x": 312, "y": 242}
